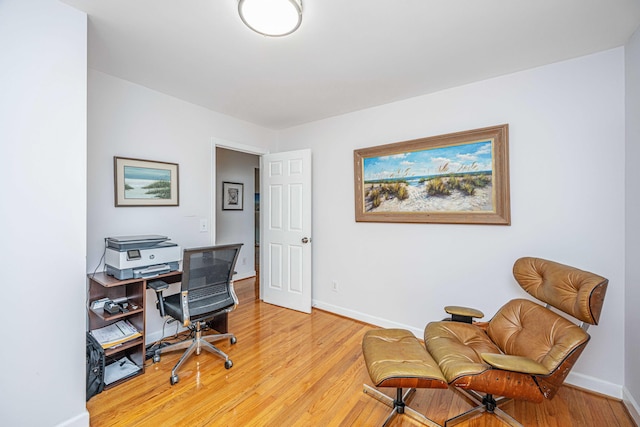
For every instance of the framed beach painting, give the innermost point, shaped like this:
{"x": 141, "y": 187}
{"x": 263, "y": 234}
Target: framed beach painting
{"x": 457, "y": 178}
{"x": 145, "y": 182}
{"x": 232, "y": 196}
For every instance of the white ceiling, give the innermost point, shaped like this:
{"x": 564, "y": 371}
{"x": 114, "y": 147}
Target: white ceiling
{"x": 346, "y": 56}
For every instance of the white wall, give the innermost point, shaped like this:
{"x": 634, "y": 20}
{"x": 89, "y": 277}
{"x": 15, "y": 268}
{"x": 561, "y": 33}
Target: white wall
{"x": 632, "y": 314}
{"x": 567, "y": 157}
{"x": 129, "y": 120}
{"x": 237, "y": 226}
{"x": 567, "y": 146}
{"x": 43, "y": 109}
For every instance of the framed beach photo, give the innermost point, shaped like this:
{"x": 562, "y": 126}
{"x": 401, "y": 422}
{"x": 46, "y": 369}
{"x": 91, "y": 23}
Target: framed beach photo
{"x": 145, "y": 182}
{"x": 458, "y": 178}
{"x": 232, "y": 196}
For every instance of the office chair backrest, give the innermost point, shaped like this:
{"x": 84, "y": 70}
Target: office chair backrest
{"x": 207, "y": 275}
{"x": 576, "y": 292}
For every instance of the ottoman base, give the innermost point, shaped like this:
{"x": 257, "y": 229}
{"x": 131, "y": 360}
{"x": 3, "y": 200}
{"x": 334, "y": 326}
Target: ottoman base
{"x": 399, "y": 405}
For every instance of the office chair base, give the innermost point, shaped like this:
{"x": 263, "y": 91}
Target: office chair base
{"x": 399, "y": 405}
{"x": 197, "y": 344}
{"x": 485, "y": 403}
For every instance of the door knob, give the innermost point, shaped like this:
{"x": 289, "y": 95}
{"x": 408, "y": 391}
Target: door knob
{"x": 305, "y": 240}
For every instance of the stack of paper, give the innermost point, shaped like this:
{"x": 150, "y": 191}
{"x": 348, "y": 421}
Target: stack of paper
{"x": 115, "y": 334}
{"x": 119, "y": 369}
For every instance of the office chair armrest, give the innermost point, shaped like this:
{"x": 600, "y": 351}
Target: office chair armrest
{"x": 159, "y": 286}
{"x": 463, "y": 314}
{"x": 521, "y": 364}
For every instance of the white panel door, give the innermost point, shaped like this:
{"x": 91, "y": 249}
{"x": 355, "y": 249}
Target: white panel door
{"x": 285, "y": 254}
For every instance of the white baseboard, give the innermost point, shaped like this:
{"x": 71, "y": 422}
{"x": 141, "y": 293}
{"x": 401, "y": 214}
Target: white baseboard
{"x": 631, "y": 404}
{"x": 577, "y": 379}
{"x": 80, "y": 420}
{"x": 594, "y": 384}
{"x": 372, "y": 320}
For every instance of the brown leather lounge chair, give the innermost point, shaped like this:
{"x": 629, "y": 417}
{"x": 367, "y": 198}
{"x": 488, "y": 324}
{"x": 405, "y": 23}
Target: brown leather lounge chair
{"x": 526, "y": 350}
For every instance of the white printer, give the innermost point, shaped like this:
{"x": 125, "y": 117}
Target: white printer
{"x": 129, "y": 257}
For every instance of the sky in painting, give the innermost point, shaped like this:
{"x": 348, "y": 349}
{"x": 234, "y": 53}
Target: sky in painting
{"x": 471, "y": 157}
{"x": 147, "y": 174}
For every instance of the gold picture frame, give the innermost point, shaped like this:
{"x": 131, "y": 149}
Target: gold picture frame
{"x": 457, "y": 178}
{"x": 140, "y": 182}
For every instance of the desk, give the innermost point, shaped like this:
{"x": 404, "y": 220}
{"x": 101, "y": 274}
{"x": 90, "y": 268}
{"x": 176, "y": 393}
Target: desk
{"x": 102, "y": 285}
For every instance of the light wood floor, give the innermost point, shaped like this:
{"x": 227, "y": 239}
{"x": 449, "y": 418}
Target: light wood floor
{"x": 294, "y": 369}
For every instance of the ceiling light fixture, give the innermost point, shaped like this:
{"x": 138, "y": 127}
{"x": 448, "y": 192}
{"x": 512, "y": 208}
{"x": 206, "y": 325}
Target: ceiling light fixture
{"x": 273, "y": 18}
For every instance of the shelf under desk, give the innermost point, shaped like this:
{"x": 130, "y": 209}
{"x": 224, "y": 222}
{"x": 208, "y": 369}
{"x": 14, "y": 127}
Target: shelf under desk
{"x": 102, "y": 285}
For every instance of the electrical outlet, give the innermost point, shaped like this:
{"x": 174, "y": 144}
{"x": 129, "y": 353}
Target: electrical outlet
{"x": 334, "y": 286}
{"x": 204, "y": 226}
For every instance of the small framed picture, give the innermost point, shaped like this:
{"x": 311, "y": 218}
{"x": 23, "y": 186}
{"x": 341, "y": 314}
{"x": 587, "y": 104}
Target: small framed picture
{"x": 145, "y": 182}
{"x": 232, "y": 196}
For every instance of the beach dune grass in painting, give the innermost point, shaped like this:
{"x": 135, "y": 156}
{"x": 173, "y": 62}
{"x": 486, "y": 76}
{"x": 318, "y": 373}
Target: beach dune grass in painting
{"x": 455, "y": 178}
{"x": 146, "y": 183}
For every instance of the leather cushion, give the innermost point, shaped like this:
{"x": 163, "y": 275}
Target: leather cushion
{"x": 574, "y": 291}
{"x": 524, "y": 328}
{"x": 520, "y": 328}
{"x": 457, "y": 347}
{"x": 395, "y": 358}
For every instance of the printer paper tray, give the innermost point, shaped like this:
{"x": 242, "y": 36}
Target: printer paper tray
{"x": 142, "y": 272}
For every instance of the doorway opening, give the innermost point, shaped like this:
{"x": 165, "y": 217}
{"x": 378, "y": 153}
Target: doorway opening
{"x": 239, "y": 222}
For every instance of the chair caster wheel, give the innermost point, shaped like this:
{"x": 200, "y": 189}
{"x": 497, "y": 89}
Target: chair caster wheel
{"x": 156, "y": 358}
{"x": 173, "y": 379}
{"x": 233, "y": 340}
{"x": 228, "y": 364}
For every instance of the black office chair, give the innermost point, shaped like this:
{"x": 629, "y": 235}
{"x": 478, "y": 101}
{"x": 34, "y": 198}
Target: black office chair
{"x": 207, "y": 291}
